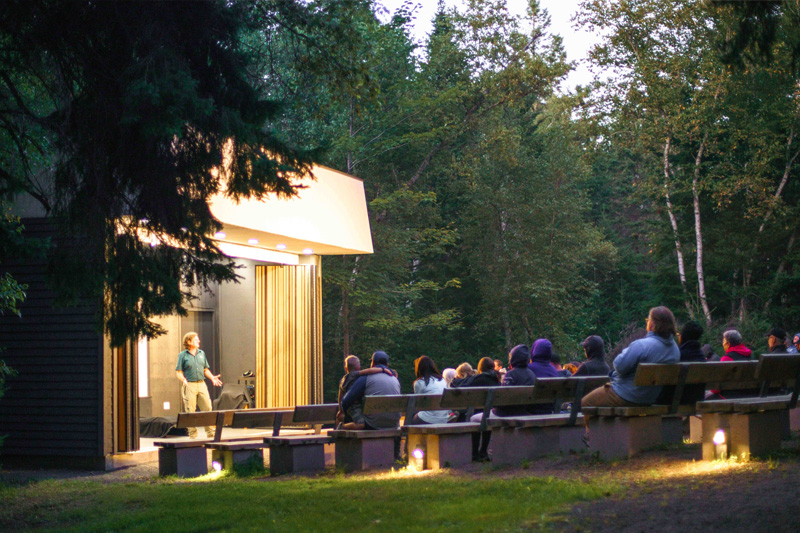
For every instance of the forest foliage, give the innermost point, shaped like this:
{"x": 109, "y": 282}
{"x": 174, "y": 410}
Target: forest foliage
{"x": 503, "y": 207}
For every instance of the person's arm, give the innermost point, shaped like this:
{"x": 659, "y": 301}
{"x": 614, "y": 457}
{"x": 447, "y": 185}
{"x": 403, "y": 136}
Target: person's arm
{"x": 626, "y": 362}
{"x": 418, "y": 386}
{"x": 355, "y": 394}
{"x": 181, "y": 377}
{"x": 214, "y": 379}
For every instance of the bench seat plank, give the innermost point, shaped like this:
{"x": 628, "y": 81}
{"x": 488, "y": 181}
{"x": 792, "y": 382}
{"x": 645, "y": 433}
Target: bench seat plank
{"x": 364, "y": 433}
{"x": 296, "y": 440}
{"x": 443, "y": 429}
{"x": 532, "y": 421}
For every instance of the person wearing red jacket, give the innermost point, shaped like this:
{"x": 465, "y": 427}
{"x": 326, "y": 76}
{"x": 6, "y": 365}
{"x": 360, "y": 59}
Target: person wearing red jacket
{"x": 734, "y": 347}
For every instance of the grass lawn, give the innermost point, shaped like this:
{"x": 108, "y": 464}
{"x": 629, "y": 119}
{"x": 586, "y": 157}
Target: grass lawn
{"x": 379, "y": 502}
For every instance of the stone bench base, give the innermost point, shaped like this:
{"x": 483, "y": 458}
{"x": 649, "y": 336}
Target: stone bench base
{"x": 365, "y": 449}
{"x": 442, "y": 445}
{"x": 303, "y": 453}
{"x": 184, "y": 459}
{"x": 746, "y": 434}
{"x": 623, "y": 437}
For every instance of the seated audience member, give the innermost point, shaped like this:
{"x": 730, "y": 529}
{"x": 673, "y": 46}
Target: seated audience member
{"x": 708, "y": 351}
{"x": 379, "y": 384}
{"x": 776, "y": 340}
{"x": 429, "y": 381}
{"x": 691, "y": 352}
{"x": 555, "y": 361}
{"x": 352, "y": 368}
{"x": 486, "y": 377}
{"x": 657, "y": 347}
{"x": 734, "y": 348}
{"x": 595, "y": 364}
{"x": 795, "y": 348}
{"x": 463, "y": 372}
{"x": 518, "y": 375}
{"x": 448, "y": 374}
{"x": 498, "y": 367}
{"x": 541, "y": 352}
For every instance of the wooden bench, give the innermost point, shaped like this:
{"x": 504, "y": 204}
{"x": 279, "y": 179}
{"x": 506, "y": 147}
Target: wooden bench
{"x": 188, "y": 458}
{"x": 526, "y": 437}
{"x": 625, "y": 431}
{"x": 752, "y": 426}
{"x": 229, "y": 453}
{"x": 302, "y": 453}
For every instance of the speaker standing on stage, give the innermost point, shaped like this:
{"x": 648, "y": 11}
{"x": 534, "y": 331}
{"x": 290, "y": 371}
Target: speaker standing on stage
{"x": 192, "y": 366}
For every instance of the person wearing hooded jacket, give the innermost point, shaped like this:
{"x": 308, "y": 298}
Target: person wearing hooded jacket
{"x": 734, "y": 347}
{"x": 657, "y": 347}
{"x": 595, "y": 364}
{"x": 518, "y": 375}
{"x": 541, "y": 354}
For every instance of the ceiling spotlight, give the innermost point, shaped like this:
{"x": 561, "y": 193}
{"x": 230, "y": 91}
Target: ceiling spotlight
{"x": 281, "y": 247}
{"x": 220, "y": 235}
{"x": 308, "y": 251}
{"x": 252, "y": 241}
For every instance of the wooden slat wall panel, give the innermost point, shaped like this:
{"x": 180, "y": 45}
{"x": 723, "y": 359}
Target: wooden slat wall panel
{"x": 52, "y": 408}
{"x": 288, "y": 348}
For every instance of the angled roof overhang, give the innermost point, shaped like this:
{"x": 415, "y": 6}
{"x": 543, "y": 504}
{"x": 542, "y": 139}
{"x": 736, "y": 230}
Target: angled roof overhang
{"x": 328, "y": 216}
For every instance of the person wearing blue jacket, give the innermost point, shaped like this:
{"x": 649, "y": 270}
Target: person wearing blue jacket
{"x": 657, "y": 347}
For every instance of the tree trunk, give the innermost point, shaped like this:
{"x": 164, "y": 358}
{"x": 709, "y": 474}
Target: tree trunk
{"x": 698, "y": 232}
{"x": 674, "y": 222}
{"x": 344, "y": 310}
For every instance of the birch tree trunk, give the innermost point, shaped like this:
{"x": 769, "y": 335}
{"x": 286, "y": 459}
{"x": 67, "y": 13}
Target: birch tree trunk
{"x": 674, "y": 222}
{"x": 698, "y": 232}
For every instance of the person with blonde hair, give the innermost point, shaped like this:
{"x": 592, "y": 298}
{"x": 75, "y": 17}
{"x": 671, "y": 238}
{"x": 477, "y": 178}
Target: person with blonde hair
{"x": 191, "y": 370}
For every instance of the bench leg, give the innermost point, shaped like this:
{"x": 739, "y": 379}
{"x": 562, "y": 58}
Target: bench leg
{"x": 441, "y": 451}
{"x": 297, "y": 458}
{"x": 184, "y": 462}
{"x": 695, "y": 429}
{"x": 362, "y": 454}
{"x": 746, "y": 434}
{"x": 794, "y": 419}
{"x": 512, "y": 445}
{"x": 623, "y": 437}
{"x": 230, "y": 458}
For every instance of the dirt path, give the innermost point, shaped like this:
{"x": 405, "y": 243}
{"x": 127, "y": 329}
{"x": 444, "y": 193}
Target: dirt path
{"x": 662, "y": 490}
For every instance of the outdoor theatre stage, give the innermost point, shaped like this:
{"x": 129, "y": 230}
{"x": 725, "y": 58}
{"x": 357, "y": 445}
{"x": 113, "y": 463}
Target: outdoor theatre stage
{"x": 269, "y": 323}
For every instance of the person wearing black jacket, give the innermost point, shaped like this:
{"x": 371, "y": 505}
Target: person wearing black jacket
{"x": 691, "y": 352}
{"x": 595, "y": 364}
{"x": 486, "y": 377}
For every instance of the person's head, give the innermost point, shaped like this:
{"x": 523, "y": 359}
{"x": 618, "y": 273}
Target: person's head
{"x": 776, "y": 337}
{"x": 380, "y": 358}
{"x": 555, "y": 360}
{"x": 691, "y": 331}
{"x": 498, "y": 365}
{"x": 464, "y": 370}
{"x": 449, "y": 374}
{"x": 189, "y": 340}
{"x": 519, "y": 356}
{"x": 424, "y": 368}
{"x": 661, "y": 321}
{"x": 485, "y": 364}
{"x": 731, "y": 338}
{"x": 594, "y": 347}
{"x": 541, "y": 351}
{"x": 352, "y": 363}
{"x": 796, "y": 340}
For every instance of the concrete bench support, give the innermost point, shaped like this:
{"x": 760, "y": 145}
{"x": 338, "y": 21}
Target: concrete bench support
{"x": 623, "y": 437}
{"x": 288, "y": 455}
{"x": 746, "y": 434}
{"x": 237, "y": 453}
{"x": 363, "y": 450}
{"x": 672, "y": 429}
{"x": 439, "y": 450}
{"x": 183, "y": 461}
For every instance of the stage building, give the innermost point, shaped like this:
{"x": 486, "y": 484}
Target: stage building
{"x": 78, "y": 401}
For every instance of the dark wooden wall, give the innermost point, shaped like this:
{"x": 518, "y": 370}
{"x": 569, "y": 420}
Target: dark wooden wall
{"x": 54, "y": 407}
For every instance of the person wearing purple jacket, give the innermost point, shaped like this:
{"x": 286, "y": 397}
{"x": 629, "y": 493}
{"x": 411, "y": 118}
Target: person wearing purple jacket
{"x": 541, "y": 353}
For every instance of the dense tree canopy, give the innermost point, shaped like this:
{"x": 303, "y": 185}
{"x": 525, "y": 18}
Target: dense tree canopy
{"x": 502, "y": 210}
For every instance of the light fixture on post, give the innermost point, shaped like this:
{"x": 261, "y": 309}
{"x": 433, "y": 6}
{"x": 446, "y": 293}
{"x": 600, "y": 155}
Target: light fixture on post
{"x": 720, "y": 445}
{"x": 417, "y": 459}
{"x": 220, "y": 235}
